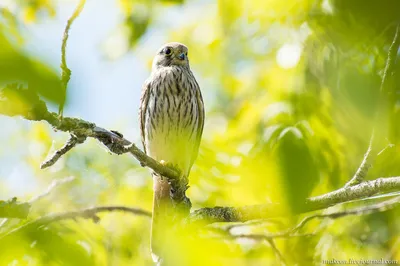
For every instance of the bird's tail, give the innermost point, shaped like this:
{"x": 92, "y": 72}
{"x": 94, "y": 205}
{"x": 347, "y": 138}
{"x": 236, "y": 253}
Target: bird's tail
{"x": 161, "y": 219}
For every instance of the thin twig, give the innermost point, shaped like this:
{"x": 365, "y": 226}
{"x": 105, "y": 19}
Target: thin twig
{"x": 378, "y": 207}
{"x": 277, "y": 253}
{"x": 53, "y": 186}
{"x": 66, "y": 72}
{"x": 366, "y": 163}
{"x": 284, "y": 234}
{"x": 89, "y": 213}
{"x": 389, "y": 146}
{"x": 371, "y": 153}
{"x": 71, "y": 143}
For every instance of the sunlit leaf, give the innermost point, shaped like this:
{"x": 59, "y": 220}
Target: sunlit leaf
{"x": 15, "y": 66}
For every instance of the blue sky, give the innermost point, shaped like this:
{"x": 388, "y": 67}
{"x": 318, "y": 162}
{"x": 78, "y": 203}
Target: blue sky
{"x": 101, "y": 90}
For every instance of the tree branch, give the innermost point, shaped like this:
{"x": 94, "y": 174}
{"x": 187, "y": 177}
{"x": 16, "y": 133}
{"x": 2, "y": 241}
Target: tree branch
{"x": 89, "y": 213}
{"x": 53, "y": 186}
{"x": 71, "y": 143}
{"x": 345, "y": 194}
{"x": 277, "y": 253}
{"x": 378, "y": 207}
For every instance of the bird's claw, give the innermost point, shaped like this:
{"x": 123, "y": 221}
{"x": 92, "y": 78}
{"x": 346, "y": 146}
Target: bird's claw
{"x": 178, "y": 188}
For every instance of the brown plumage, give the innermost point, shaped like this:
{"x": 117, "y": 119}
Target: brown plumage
{"x": 171, "y": 118}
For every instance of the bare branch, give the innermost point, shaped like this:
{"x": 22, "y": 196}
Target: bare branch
{"x": 260, "y": 237}
{"x": 366, "y": 163}
{"x": 72, "y": 142}
{"x": 389, "y": 146}
{"x": 392, "y": 53}
{"x": 66, "y": 72}
{"x": 246, "y": 213}
{"x": 277, "y": 253}
{"x": 89, "y": 213}
{"x": 54, "y": 185}
{"x": 371, "y": 153}
{"x": 378, "y": 207}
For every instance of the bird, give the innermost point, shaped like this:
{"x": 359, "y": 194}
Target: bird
{"x": 171, "y": 121}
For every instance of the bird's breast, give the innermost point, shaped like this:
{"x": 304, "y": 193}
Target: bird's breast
{"x": 172, "y": 117}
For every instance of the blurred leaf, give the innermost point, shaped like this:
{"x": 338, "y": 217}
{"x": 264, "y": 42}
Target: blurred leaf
{"x": 137, "y": 24}
{"x": 15, "y": 66}
{"x": 13, "y": 209}
{"x": 299, "y": 173}
{"x": 32, "y": 8}
{"x": 137, "y": 17}
{"x": 16, "y": 100}
{"x": 9, "y": 24}
{"x": 57, "y": 248}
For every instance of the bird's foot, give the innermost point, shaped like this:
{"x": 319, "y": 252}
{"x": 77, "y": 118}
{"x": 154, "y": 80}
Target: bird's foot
{"x": 178, "y": 189}
{"x": 178, "y": 194}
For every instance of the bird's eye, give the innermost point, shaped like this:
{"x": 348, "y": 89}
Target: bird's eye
{"x": 167, "y": 51}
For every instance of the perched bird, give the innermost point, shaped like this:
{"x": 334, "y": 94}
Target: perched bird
{"x": 171, "y": 119}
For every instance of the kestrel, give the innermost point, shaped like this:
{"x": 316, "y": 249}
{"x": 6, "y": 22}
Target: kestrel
{"x": 171, "y": 119}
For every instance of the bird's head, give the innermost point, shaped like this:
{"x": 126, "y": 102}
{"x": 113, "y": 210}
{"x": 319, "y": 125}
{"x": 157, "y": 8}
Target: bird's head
{"x": 171, "y": 54}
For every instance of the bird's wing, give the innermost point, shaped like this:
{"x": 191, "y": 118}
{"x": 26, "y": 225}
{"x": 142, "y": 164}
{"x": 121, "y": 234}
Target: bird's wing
{"x": 144, "y": 100}
{"x": 200, "y": 106}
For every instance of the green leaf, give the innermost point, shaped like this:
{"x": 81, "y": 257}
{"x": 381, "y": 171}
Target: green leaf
{"x": 298, "y": 170}
{"x": 16, "y": 66}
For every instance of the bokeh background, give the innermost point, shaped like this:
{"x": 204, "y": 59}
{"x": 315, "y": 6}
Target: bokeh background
{"x": 290, "y": 89}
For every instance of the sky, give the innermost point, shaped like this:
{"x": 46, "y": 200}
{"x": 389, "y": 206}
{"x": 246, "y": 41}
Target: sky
{"x": 112, "y": 87}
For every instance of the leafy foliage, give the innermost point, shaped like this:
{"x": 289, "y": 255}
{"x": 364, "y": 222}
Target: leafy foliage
{"x": 290, "y": 89}
{"x": 16, "y": 66}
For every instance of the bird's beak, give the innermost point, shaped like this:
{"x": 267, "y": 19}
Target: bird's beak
{"x": 181, "y": 56}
